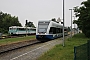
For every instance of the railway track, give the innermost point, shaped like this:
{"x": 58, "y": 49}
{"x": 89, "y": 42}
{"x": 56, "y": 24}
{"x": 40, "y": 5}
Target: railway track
{"x": 31, "y": 52}
{"x": 14, "y": 46}
{"x": 14, "y": 36}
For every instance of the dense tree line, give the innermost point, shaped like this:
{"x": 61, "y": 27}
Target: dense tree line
{"x": 6, "y": 20}
{"x": 83, "y": 21}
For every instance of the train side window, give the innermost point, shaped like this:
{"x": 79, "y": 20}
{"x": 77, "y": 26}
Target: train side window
{"x": 57, "y": 30}
{"x": 52, "y": 30}
{"x": 61, "y": 30}
{"x": 22, "y": 29}
{"x": 33, "y": 29}
{"x": 10, "y": 28}
{"x": 65, "y": 29}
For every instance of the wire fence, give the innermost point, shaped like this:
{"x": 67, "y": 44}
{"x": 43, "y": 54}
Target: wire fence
{"x": 82, "y": 52}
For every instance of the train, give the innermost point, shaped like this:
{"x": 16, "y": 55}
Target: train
{"x": 17, "y": 30}
{"x": 49, "y": 30}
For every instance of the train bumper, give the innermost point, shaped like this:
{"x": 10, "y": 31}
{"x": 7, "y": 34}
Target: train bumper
{"x": 44, "y": 37}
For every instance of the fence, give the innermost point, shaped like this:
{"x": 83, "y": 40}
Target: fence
{"x": 82, "y": 52}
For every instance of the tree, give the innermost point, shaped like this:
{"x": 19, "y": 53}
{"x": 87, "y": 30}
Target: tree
{"x": 29, "y": 24}
{"x": 6, "y": 20}
{"x": 54, "y": 19}
{"x": 83, "y": 13}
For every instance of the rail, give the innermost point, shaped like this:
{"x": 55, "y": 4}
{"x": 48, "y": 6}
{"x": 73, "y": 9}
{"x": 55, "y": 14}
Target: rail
{"x": 10, "y": 47}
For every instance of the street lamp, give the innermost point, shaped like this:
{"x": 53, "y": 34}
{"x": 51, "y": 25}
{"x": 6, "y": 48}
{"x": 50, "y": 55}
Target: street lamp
{"x": 71, "y": 22}
{"x": 63, "y": 25}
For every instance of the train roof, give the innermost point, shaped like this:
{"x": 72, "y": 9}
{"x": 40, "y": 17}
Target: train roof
{"x": 48, "y": 21}
{"x": 20, "y": 27}
{"x": 55, "y": 24}
{"x": 52, "y": 23}
{"x": 44, "y": 20}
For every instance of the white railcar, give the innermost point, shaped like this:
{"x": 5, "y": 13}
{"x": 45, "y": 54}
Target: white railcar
{"x": 16, "y": 30}
{"x": 48, "y": 30}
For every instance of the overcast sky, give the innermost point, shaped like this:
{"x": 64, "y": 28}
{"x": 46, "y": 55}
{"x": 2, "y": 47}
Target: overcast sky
{"x": 35, "y": 10}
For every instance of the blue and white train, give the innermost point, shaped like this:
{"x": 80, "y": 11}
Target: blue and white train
{"x": 16, "y": 30}
{"x": 49, "y": 30}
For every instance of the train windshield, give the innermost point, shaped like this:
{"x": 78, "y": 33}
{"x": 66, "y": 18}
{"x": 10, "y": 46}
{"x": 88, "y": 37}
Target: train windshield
{"x": 42, "y": 27}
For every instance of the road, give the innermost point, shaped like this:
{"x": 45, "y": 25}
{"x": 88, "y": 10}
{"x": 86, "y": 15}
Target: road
{"x": 30, "y": 52}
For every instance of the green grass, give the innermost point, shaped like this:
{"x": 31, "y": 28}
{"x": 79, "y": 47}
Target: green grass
{"x": 65, "y": 53}
{"x": 14, "y": 40}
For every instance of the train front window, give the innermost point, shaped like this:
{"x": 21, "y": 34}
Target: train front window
{"x": 42, "y": 30}
{"x": 42, "y": 27}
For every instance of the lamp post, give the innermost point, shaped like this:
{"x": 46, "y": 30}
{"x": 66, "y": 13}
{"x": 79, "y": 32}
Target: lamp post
{"x": 63, "y": 25}
{"x": 71, "y": 22}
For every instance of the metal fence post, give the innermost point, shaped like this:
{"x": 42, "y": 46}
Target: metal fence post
{"x": 88, "y": 52}
{"x": 74, "y": 53}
